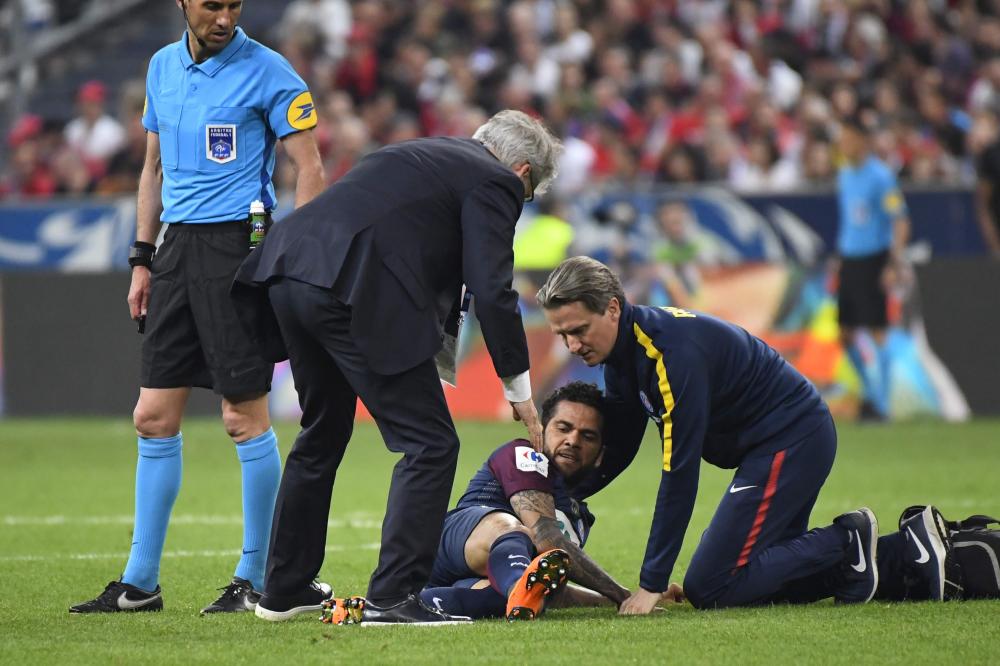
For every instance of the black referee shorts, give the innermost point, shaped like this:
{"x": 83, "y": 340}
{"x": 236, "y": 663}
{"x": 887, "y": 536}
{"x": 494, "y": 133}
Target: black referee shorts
{"x": 861, "y": 301}
{"x": 193, "y": 336}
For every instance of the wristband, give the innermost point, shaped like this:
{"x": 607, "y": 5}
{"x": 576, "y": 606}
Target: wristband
{"x": 141, "y": 254}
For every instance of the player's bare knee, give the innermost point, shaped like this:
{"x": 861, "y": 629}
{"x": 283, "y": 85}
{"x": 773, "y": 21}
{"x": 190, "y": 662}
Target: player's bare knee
{"x": 493, "y": 526}
{"x": 150, "y": 423}
{"x": 244, "y": 418}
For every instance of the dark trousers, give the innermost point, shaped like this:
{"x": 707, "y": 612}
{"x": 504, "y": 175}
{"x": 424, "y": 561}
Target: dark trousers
{"x": 412, "y": 416}
{"x": 757, "y": 548}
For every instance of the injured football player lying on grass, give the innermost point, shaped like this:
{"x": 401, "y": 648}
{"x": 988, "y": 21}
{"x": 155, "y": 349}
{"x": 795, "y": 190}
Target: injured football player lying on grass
{"x": 516, "y": 535}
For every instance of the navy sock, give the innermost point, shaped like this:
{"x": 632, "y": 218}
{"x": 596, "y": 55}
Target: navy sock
{"x": 477, "y": 604}
{"x": 261, "y": 466}
{"x": 510, "y": 555}
{"x": 157, "y": 482}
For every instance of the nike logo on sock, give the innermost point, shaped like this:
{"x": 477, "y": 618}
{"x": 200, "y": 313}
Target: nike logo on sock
{"x": 861, "y": 566}
{"x": 437, "y": 603}
{"x": 251, "y": 552}
{"x": 736, "y": 489}
{"x": 514, "y": 557}
{"x": 127, "y": 604}
{"x": 924, "y": 555}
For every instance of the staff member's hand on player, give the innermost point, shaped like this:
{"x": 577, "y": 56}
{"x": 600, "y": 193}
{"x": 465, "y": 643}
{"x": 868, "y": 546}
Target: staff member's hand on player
{"x": 526, "y": 412}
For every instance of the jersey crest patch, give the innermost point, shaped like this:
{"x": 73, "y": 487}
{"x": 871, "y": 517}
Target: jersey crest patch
{"x": 220, "y": 143}
{"x": 648, "y": 406}
{"x": 301, "y": 113}
{"x": 529, "y": 460}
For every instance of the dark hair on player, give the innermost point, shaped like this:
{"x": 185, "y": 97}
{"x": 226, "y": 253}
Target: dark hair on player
{"x": 581, "y": 392}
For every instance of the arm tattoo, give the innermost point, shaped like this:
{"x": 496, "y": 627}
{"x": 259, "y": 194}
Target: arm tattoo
{"x": 533, "y": 500}
{"x": 583, "y": 569}
{"x": 547, "y": 535}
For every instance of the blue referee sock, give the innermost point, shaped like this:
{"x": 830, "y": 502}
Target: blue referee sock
{"x": 261, "y": 466}
{"x": 510, "y": 555}
{"x": 885, "y": 379}
{"x": 858, "y": 361}
{"x": 477, "y": 604}
{"x": 157, "y": 481}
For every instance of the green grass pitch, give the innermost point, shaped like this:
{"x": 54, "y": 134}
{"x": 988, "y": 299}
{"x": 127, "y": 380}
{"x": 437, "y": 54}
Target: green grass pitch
{"x": 65, "y": 521}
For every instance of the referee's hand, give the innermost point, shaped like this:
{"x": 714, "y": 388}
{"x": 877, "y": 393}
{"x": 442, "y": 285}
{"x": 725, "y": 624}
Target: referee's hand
{"x": 138, "y": 292}
{"x": 526, "y": 413}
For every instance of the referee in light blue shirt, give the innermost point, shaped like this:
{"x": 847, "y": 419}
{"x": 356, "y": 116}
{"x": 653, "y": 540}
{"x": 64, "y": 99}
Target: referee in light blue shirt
{"x": 871, "y": 238}
{"x": 217, "y": 102}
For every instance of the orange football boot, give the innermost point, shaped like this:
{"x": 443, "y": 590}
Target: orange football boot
{"x": 547, "y": 573}
{"x": 343, "y": 611}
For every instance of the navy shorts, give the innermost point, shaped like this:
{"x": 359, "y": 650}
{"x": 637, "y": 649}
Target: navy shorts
{"x": 449, "y": 564}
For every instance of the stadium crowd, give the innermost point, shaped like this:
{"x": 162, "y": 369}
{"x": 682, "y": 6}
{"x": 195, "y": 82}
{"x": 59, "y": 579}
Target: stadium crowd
{"x": 641, "y": 91}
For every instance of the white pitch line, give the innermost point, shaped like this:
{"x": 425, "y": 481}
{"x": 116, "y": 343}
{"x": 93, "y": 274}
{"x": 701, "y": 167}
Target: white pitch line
{"x": 166, "y": 554}
{"x": 181, "y": 519}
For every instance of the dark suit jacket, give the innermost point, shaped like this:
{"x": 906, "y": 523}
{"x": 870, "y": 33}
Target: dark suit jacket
{"x": 395, "y": 239}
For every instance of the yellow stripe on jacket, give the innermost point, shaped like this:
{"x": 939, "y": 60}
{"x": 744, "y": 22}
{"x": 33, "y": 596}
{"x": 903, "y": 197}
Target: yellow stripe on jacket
{"x": 664, "y": 385}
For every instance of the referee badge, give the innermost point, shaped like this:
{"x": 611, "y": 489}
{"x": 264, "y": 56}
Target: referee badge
{"x": 220, "y": 143}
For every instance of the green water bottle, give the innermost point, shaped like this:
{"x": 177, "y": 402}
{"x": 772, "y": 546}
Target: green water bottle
{"x": 258, "y": 223}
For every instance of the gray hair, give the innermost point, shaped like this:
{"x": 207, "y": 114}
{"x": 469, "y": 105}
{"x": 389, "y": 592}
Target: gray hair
{"x": 583, "y": 280}
{"x": 515, "y": 138}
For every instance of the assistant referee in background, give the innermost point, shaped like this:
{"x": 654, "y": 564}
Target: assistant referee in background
{"x": 216, "y": 102}
{"x": 871, "y": 244}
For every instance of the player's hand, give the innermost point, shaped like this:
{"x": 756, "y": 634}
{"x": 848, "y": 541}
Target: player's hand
{"x": 642, "y": 602}
{"x": 526, "y": 413}
{"x": 138, "y": 292}
{"x": 673, "y": 595}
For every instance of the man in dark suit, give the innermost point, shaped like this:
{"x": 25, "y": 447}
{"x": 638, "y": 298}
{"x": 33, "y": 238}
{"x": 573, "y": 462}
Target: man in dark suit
{"x": 362, "y": 283}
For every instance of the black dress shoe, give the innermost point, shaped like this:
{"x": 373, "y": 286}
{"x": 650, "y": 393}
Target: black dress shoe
{"x": 409, "y": 611}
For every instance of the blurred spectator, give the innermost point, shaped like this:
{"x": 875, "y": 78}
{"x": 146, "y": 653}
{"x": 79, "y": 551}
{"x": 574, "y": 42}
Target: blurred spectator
{"x": 331, "y": 19}
{"x": 680, "y": 251}
{"x": 987, "y": 147}
{"x": 27, "y": 174}
{"x": 124, "y": 167}
{"x": 682, "y": 92}
{"x": 93, "y": 133}
{"x": 542, "y": 244}
{"x": 763, "y": 169}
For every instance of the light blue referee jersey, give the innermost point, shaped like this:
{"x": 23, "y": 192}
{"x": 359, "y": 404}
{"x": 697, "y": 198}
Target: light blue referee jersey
{"x": 218, "y": 122}
{"x": 870, "y": 202}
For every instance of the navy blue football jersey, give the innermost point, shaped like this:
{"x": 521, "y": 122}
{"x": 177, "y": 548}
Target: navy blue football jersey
{"x": 516, "y": 467}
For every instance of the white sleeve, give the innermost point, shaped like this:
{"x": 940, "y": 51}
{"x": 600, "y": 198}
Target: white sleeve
{"x": 517, "y": 388}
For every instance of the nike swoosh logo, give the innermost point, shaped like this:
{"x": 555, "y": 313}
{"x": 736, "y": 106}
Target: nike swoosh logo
{"x": 735, "y": 489}
{"x": 127, "y": 604}
{"x": 514, "y": 557}
{"x": 924, "y": 555}
{"x": 250, "y": 552}
{"x": 437, "y": 603}
{"x": 861, "y": 565}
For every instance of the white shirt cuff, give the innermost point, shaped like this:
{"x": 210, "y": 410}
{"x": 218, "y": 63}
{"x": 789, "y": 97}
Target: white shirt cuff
{"x": 517, "y": 388}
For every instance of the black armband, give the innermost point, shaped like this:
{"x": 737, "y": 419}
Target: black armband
{"x": 141, "y": 254}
